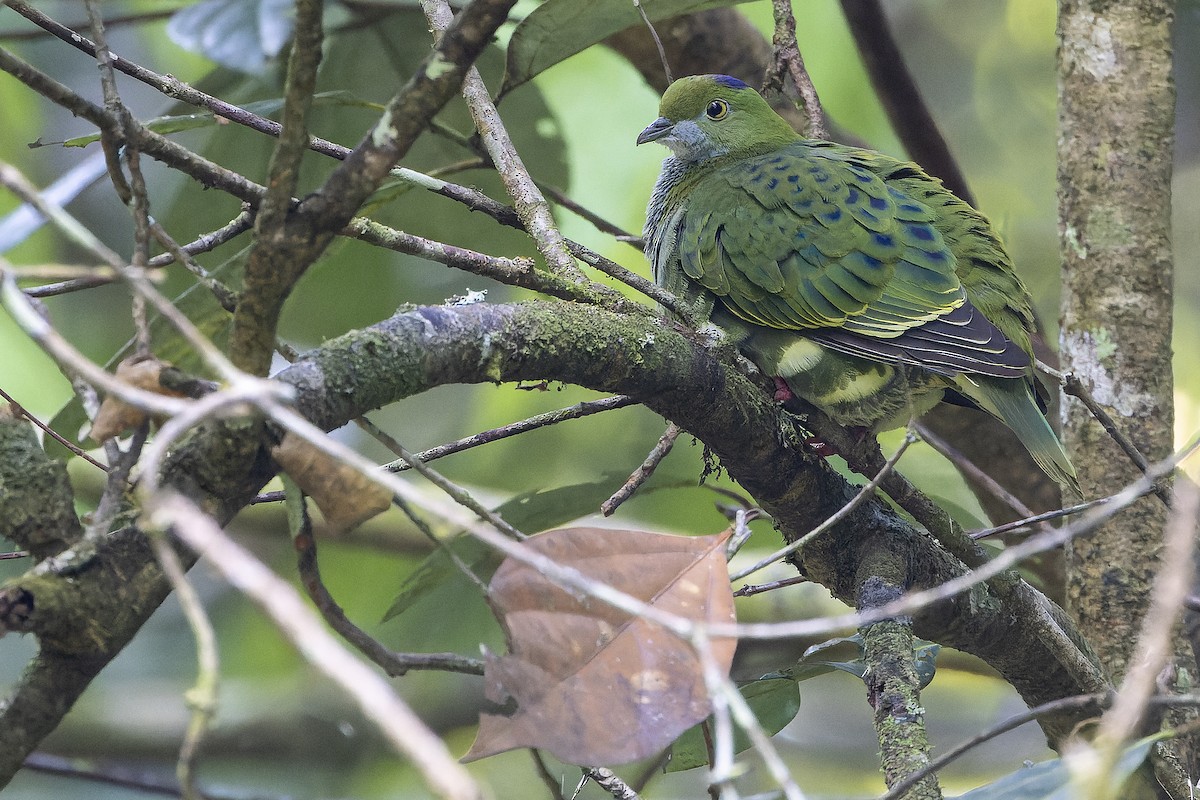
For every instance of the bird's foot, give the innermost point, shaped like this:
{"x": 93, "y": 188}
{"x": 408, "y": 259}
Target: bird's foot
{"x": 783, "y": 392}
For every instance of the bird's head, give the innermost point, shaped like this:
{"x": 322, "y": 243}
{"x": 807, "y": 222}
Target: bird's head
{"x": 708, "y": 116}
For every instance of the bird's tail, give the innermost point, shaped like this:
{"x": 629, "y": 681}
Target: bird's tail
{"x": 1013, "y": 404}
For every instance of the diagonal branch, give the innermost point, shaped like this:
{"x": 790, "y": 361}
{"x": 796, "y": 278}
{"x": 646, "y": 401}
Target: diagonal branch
{"x": 756, "y": 442}
{"x": 86, "y": 616}
{"x": 316, "y": 220}
{"x": 531, "y": 206}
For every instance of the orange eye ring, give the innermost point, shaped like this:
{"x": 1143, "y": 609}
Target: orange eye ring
{"x": 717, "y": 110}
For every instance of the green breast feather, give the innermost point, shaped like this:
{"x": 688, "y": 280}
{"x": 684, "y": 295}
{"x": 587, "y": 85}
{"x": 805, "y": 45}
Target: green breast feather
{"x": 858, "y": 279}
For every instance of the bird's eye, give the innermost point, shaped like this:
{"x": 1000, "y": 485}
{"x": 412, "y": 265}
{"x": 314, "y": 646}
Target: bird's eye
{"x": 717, "y": 109}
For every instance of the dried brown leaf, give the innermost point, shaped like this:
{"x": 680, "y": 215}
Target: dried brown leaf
{"x": 115, "y": 415}
{"x": 346, "y": 497}
{"x": 590, "y": 683}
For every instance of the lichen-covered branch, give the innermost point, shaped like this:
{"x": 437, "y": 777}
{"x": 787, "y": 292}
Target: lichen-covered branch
{"x": 757, "y": 443}
{"x": 36, "y": 499}
{"x": 85, "y": 609}
{"x": 893, "y": 688}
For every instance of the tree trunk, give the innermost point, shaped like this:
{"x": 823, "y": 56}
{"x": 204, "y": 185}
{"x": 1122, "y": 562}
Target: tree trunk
{"x": 1116, "y": 118}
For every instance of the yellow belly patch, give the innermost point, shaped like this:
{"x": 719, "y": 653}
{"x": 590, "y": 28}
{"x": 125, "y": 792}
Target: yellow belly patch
{"x": 800, "y": 356}
{"x": 858, "y": 386}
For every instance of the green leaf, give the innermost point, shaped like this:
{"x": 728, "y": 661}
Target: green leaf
{"x": 925, "y": 661}
{"x": 1051, "y": 780}
{"x": 439, "y": 568}
{"x": 529, "y": 512}
{"x": 264, "y": 108}
{"x": 558, "y": 29}
{"x": 775, "y": 702}
{"x": 240, "y": 34}
{"x": 845, "y": 654}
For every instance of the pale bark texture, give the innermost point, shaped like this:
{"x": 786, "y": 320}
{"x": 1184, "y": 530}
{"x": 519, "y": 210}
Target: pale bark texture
{"x": 1117, "y": 101}
{"x": 1116, "y": 137}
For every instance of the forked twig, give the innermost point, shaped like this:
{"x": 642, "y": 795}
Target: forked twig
{"x": 838, "y": 516}
{"x": 390, "y": 661}
{"x": 374, "y": 697}
{"x": 788, "y": 61}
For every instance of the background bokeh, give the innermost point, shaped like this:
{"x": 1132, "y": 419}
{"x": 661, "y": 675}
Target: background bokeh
{"x": 987, "y": 70}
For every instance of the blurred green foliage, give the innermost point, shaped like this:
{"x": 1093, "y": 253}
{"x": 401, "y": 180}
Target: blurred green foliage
{"x": 987, "y": 70}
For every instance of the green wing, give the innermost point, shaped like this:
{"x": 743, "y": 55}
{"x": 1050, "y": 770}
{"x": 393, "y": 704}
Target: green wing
{"x": 815, "y": 238}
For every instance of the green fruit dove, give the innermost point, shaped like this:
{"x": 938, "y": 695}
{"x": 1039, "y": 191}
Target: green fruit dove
{"x": 859, "y": 280}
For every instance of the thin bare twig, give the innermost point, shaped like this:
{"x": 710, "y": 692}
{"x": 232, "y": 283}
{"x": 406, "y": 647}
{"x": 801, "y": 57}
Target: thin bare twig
{"x": 632, "y": 279}
{"x": 750, "y": 589}
{"x": 842, "y": 513}
{"x": 1074, "y": 387}
{"x": 742, "y": 517}
{"x": 442, "y": 543}
{"x": 183, "y": 253}
{"x": 972, "y": 472}
{"x": 1030, "y": 522}
{"x": 201, "y": 698}
{"x": 456, "y": 493}
{"x": 552, "y": 783}
{"x": 640, "y": 475}
{"x": 610, "y": 782}
{"x": 528, "y": 201}
{"x": 53, "y": 434}
{"x": 584, "y": 409}
{"x": 513, "y": 271}
{"x": 391, "y": 662}
{"x": 81, "y": 769}
{"x": 404, "y": 731}
{"x": 789, "y": 62}
{"x": 600, "y": 223}
{"x": 662, "y": 53}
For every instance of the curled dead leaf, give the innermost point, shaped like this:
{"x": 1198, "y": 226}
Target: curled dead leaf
{"x": 346, "y": 497}
{"x": 588, "y": 682}
{"x": 115, "y": 415}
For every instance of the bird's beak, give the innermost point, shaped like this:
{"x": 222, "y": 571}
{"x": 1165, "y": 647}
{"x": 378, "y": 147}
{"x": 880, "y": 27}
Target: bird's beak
{"x": 656, "y": 130}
